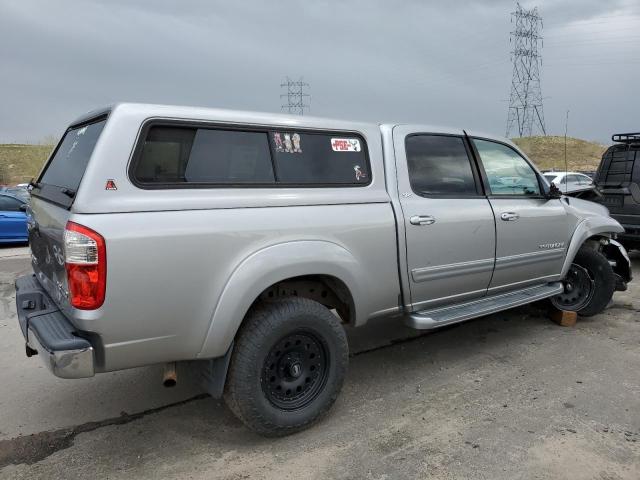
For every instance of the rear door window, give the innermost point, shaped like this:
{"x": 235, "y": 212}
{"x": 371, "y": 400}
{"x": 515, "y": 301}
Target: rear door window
{"x": 617, "y": 166}
{"x": 584, "y": 179}
{"x": 573, "y": 178}
{"x": 439, "y": 165}
{"x": 8, "y": 204}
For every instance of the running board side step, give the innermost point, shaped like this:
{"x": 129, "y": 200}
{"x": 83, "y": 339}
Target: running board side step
{"x": 439, "y": 317}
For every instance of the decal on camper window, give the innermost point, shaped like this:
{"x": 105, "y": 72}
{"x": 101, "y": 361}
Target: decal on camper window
{"x": 345, "y": 145}
{"x": 287, "y": 142}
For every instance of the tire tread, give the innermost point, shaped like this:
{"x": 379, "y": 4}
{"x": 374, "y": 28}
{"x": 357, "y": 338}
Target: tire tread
{"x": 262, "y": 319}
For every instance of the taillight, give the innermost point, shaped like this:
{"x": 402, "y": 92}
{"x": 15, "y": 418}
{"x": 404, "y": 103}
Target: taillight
{"x": 86, "y": 264}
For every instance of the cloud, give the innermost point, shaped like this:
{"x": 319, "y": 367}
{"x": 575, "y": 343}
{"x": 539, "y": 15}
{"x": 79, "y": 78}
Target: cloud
{"x": 440, "y": 62}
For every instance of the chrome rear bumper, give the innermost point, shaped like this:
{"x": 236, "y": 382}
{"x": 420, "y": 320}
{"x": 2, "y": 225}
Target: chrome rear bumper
{"x": 49, "y": 333}
{"x": 76, "y": 363}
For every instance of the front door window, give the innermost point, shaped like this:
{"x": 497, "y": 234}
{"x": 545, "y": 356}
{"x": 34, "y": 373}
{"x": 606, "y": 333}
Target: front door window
{"x": 507, "y": 172}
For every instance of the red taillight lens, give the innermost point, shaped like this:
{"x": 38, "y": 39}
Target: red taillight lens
{"x": 86, "y": 263}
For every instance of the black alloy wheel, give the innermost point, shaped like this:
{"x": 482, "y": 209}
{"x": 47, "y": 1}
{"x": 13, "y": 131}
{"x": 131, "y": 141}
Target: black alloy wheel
{"x": 578, "y": 289}
{"x": 288, "y": 364}
{"x": 588, "y": 285}
{"x": 295, "y": 370}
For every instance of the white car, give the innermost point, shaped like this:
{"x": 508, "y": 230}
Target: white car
{"x": 569, "y": 182}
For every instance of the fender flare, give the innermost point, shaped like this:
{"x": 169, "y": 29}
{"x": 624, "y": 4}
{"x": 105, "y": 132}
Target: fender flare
{"x": 586, "y": 229}
{"x": 271, "y": 265}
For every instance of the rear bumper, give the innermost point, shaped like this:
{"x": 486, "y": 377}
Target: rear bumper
{"x": 49, "y": 333}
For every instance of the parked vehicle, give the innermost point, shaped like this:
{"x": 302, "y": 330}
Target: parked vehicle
{"x": 618, "y": 180}
{"x": 570, "y": 182}
{"x": 19, "y": 191}
{"x": 13, "y": 219}
{"x": 247, "y": 241}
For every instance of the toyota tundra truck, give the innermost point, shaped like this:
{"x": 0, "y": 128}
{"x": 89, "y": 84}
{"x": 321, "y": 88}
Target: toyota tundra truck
{"x": 242, "y": 244}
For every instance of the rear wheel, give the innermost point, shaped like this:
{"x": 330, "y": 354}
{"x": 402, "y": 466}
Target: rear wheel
{"x": 589, "y": 284}
{"x": 287, "y": 367}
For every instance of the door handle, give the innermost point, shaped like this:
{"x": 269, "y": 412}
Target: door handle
{"x": 422, "y": 220}
{"x": 509, "y": 216}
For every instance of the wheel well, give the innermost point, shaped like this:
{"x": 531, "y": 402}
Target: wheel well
{"x": 325, "y": 289}
{"x": 596, "y": 242}
{"x": 601, "y": 244}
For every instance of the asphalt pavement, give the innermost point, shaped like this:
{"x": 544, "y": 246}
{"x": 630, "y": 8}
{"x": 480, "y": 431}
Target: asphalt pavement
{"x": 508, "y": 396}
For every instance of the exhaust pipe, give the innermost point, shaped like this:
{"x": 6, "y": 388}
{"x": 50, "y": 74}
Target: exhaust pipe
{"x": 170, "y": 375}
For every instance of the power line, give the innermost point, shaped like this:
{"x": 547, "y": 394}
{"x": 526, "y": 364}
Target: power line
{"x": 525, "y": 98}
{"x": 295, "y": 96}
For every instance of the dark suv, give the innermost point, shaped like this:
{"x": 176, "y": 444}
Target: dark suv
{"x": 618, "y": 180}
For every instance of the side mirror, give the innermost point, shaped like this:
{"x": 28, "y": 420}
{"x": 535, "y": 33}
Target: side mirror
{"x": 23, "y": 207}
{"x": 553, "y": 192}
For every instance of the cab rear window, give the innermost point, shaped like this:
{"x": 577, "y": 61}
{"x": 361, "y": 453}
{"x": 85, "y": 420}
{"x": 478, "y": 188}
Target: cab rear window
{"x": 178, "y": 156}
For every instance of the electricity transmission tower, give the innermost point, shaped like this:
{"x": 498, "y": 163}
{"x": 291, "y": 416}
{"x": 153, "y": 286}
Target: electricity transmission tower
{"x": 525, "y": 101}
{"x": 295, "y": 96}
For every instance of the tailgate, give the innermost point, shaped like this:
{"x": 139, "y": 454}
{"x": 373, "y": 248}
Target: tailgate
{"x": 46, "y": 239}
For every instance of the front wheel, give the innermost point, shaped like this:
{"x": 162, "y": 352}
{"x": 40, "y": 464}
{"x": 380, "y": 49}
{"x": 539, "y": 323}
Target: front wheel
{"x": 288, "y": 365}
{"x": 589, "y": 284}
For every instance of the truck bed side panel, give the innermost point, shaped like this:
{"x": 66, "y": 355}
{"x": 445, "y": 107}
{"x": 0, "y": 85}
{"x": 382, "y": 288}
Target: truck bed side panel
{"x": 166, "y": 271}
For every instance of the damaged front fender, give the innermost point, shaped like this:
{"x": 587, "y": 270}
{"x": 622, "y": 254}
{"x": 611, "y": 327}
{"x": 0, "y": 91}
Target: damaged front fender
{"x": 620, "y": 262}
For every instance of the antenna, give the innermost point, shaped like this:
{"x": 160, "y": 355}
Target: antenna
{"x": 525, "y": 99}
{"x": 566, "y": 164}
{"x": 295, "y": 95}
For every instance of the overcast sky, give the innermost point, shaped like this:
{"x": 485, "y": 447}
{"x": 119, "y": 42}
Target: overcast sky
{"x": 438, "y": 62}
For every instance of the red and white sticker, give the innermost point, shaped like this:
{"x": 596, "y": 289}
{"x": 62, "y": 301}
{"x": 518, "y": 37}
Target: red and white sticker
{"x": 345, "y": 145}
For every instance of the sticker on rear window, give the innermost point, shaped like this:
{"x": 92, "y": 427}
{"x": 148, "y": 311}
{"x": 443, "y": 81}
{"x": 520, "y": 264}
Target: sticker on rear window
{"x": 345, "y": 145}
{"x": 287, "y": 142}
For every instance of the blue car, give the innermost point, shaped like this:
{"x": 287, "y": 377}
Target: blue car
{"x": 13, "y": 219}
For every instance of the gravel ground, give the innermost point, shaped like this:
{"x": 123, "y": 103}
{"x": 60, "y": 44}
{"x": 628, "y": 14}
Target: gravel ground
{"x": 508, "y": 396}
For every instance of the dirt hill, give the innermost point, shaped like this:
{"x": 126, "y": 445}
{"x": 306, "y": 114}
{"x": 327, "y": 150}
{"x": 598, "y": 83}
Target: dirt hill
{"x": 19, "y": 163}
{"x": 548, "y": 152}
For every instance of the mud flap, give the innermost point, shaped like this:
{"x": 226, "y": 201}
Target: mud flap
{"x": 214, "y": 374}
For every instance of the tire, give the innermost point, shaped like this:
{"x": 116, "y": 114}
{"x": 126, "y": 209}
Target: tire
{"x": 602, "y": 279}
{"x": 300, "y": 344}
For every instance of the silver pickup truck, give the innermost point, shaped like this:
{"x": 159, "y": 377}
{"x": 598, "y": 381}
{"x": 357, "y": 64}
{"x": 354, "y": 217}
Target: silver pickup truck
{"x": 242, "y": 243}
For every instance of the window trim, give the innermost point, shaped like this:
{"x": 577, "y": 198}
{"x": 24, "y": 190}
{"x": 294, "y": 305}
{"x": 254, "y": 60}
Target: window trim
{"x": 213, "y": 125}
{"x": 474, "y": 171}
{"x": 485, "y": 178}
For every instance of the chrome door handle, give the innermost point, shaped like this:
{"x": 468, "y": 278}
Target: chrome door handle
{"x": 509, "y": 216}
{"x": 422, "y": 220}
